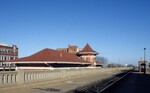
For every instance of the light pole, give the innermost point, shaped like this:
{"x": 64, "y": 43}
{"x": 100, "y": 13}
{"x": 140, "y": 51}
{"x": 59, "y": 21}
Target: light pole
{"x": 144, "y": 60}
{"x": 144, "y": 54}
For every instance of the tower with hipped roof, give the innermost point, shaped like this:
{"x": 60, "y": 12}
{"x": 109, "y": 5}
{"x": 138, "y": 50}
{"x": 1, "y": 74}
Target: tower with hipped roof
{"x": 88, "y": 54}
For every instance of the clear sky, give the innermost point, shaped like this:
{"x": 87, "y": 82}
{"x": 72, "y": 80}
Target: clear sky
{"x": 117, "y": 29}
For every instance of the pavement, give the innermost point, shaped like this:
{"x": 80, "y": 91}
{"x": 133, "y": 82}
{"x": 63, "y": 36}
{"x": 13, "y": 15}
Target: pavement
{"x": 135, "y": 83}
{"x": 56, "y": 86}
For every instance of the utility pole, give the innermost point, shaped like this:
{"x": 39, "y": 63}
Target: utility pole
{"x": 144, "y": 60}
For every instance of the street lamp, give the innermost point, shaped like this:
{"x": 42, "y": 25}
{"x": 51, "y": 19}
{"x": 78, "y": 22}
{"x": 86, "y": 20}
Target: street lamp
{"x": 144, "y": 54}
{"x": 144, "y": 60}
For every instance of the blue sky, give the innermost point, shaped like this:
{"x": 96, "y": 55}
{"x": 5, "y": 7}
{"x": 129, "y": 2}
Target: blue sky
{"x": 117, "y": 29}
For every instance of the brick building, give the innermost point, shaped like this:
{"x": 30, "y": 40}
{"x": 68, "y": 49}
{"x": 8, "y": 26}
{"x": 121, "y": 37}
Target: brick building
{"x": 88, "y": 54}
{"x": 8, "y": 53}
{"x": 70, "y": 49}
{"x": 62, "y": 57}
{"x": 48, "y": 59}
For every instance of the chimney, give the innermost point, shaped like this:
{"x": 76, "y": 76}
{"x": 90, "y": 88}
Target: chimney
{"x": 68, "y": 45}
{"x": 60, "y": 54}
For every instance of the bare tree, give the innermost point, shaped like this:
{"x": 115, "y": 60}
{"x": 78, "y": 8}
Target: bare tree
{"x": 103, "y": 60}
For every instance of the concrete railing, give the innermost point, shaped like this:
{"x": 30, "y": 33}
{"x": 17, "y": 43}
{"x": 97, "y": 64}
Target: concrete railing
{"x": 11, "y": 78}
{"x": 8, "y": 78}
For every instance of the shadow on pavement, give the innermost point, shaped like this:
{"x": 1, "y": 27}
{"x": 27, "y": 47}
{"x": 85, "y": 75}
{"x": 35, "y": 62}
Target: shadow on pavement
{"x": 49, "y": 89}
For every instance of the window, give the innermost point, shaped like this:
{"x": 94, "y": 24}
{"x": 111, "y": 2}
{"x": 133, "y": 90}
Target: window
{"x": 0, "y": 51}
{"x": 1, "y": 64}
{"x": 5, "y": 58}
{"x": 0, "y": 57}
{"x": 11, "y": 58}
{"x": 8, "y": 58}
{"x": 6, "y": 51}
{"x": 9, "y": 52}
{"x": 7, "y": 64}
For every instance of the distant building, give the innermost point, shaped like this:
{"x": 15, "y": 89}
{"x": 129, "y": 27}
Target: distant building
{"x": 142, "y": 66}
{"x": 8, "y": 52}
{"x": 70, "y": 49}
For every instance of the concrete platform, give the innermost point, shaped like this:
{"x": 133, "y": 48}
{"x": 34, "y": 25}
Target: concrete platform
{"x": 56, "y": 86}
{"x": 135, "y": 83}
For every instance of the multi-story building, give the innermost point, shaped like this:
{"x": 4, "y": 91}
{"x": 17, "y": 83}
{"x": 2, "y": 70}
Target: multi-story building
{"x": 70, "y": 49}
{"x": 8, "y": 53}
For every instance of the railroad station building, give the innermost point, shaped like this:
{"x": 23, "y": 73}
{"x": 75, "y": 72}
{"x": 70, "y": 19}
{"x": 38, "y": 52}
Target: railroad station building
{"x": 50, "y": 58}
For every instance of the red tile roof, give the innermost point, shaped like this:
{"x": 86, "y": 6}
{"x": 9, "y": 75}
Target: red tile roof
{"x": 87, "y": 48}
{"x": 51, "y": 55}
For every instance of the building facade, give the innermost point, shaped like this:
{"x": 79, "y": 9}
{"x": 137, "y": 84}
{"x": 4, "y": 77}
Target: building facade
{"x": 8, "y": 53}
{"x": 70, "y": 49}
{"x": 49, "y": 59}
{"x": 59, "y": 58}
{"x": 88, "y": 54}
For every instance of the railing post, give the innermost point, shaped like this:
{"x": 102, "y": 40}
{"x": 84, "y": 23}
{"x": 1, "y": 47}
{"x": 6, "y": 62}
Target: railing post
{"x": 62, "y": 73}
{"x": 1, "y": 79}
{"x": 20, "y": 77}
{"x": 9, "y": 79}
